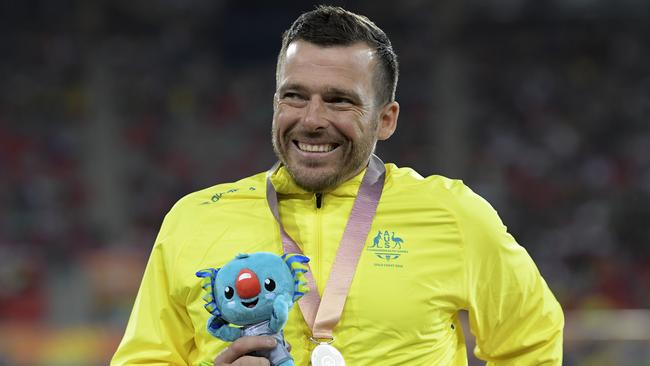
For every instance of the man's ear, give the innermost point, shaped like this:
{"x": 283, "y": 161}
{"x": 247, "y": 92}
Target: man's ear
{"x": 388, "y": 120}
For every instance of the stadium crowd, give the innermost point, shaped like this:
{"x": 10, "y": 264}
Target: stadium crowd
{"x": 109, "y": 113}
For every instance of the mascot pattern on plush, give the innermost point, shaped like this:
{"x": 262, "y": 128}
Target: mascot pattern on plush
{"x": 252, "y": 295}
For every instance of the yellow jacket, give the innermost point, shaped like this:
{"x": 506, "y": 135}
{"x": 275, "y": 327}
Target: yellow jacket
{"x": 434, "y": 248}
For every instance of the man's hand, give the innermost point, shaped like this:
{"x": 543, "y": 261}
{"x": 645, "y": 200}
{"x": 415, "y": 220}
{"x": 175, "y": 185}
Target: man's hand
{"x": 236, "y": 353}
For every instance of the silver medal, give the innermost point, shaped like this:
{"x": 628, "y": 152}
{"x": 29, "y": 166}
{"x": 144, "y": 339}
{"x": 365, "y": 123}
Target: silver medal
{"x": 326, "y": 355}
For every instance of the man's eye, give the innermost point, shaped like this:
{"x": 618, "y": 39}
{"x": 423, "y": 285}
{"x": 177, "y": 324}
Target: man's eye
{"x": 340, "y": 100}
{"x": 292, "y": 96}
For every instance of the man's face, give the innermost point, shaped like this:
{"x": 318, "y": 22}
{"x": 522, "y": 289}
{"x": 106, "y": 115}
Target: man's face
{"x": 326, "y": 121}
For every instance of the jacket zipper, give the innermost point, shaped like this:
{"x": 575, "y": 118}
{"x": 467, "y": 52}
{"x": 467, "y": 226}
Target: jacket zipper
{"x": 317, "y": 225}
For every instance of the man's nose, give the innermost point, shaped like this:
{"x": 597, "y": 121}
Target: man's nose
{"x": 314, "y": 118}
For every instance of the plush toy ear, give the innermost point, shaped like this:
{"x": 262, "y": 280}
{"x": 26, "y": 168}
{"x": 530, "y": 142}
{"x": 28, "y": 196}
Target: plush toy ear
{"x": 209, "y": 275}
{"x": 298, "y": 267}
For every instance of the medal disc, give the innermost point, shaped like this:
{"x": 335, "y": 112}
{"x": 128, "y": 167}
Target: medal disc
{"x": 326, "y": 355}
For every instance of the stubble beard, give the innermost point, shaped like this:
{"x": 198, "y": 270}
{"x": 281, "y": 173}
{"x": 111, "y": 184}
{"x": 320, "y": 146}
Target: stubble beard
{"x": 314, "y": 181}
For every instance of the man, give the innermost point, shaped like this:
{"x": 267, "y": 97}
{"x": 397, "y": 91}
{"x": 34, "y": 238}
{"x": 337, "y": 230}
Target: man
{"x": 432, "y": 249}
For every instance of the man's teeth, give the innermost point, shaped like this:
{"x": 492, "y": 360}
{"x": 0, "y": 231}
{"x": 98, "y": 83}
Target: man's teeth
{"x": 315, "y": 148}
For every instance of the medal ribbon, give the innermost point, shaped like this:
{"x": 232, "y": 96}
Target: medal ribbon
{"x": 322, "y": 315}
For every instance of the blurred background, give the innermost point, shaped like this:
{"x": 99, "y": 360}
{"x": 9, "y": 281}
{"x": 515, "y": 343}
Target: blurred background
{"x": 110, "y": 111}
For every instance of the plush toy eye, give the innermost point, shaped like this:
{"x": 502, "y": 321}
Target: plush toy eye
{"x": 269, "y": 284}
{"x": 228, "y": 292}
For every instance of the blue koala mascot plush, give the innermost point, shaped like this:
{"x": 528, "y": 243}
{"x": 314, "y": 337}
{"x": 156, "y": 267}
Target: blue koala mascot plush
{"x": 254, "y": 292}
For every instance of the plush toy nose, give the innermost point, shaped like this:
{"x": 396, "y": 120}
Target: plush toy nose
{"x": 247, "y": 284}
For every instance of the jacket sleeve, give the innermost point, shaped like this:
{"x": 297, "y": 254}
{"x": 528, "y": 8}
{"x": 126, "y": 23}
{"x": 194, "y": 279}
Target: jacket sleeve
{"x": 159, "y": 331}
{"x": 513, "y": 314}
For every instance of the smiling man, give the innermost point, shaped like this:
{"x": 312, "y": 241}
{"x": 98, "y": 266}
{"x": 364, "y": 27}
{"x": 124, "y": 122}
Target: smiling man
{"x": 394, "y": 256}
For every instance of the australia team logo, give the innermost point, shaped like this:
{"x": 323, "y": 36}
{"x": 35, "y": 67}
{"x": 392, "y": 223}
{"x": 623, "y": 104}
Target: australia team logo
{"x": 387, "y": 246}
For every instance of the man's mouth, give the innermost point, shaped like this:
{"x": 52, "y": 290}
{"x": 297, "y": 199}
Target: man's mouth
{"x": 250, "y": 304}
{"x": 315, "y": 148}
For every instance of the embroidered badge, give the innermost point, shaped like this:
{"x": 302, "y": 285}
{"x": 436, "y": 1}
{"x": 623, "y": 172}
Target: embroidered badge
{"x": 388, "y": 247}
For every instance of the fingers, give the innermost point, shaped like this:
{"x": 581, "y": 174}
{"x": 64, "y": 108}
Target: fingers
{"x": 236, "y": 353}
{"x": 252, "y": 361}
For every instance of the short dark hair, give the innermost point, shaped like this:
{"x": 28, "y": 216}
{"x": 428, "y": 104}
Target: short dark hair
{"x": 334, "y": 26}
